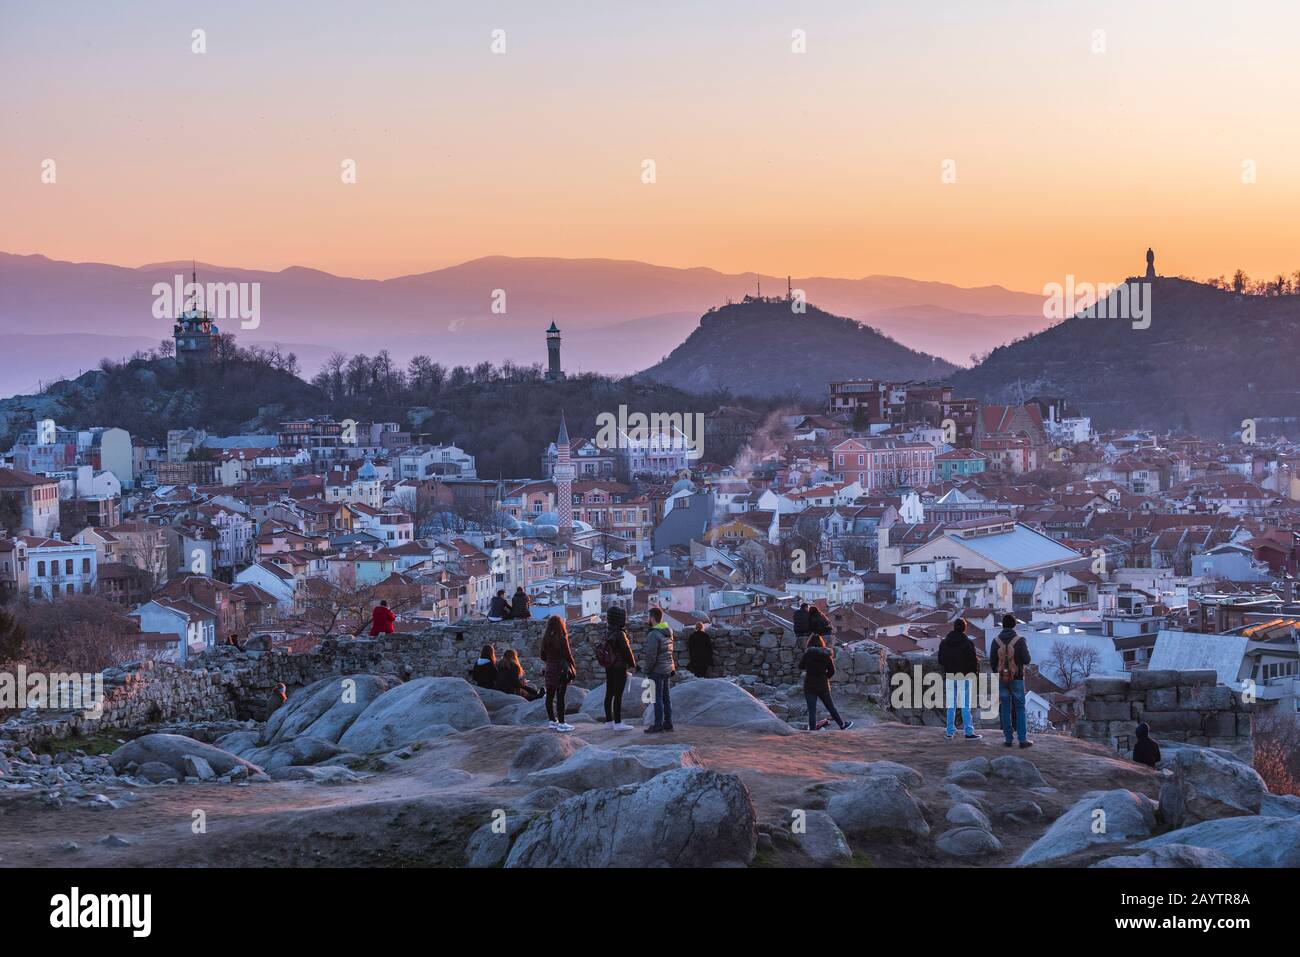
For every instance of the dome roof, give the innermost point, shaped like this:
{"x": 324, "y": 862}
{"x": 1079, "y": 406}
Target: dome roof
{"x": 367, "y": 470}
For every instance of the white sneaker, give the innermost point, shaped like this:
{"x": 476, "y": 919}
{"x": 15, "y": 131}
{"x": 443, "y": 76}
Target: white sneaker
{"x": 620, "y": 726}
{"x": 564, "y": 727}
{"x": 553, "y": 725}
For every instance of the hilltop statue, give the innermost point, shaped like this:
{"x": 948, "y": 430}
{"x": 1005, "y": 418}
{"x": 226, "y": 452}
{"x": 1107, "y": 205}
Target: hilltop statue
{"x": 1151, "y": 263}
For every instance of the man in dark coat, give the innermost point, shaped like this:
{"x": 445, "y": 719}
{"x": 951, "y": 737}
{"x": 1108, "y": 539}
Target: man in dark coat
{"x": 1009, "y": 654}
{"x": 519, "y": 603}
{"x": 960, "y": 666}
{"x": 818, "y": 622}
{"x": 699, "y": 645}
{"x": 499, "y": 609}
{"x": 1146, "y": 751}
{"x": 801, "y": 626}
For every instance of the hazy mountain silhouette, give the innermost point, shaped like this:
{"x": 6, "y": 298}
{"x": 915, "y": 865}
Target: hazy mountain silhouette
{"x": 617, "y": 316}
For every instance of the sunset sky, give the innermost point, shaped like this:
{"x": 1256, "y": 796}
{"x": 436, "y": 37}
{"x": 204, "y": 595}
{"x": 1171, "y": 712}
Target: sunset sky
{"x": 822, "y": 163}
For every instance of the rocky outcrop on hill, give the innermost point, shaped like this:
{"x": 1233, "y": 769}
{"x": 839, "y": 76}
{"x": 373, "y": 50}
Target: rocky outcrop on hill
{"x": 718, "y": 703}
{"x": 1205, "y": 786}
{"x": 1109, "y": 817}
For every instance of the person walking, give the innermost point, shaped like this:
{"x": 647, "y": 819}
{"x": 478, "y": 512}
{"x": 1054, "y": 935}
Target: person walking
{"x": 960, "y": 665}
{"x": 561, "y": 669}
{"x": 659, "y": 668}
{"x": 818, "y": 665}
{"x": 381, "y": 619}
{"x": 519, "y": 603}
{"x": 614, "y": 654}
{"x": 1009, "y": 655}
{"x": 699, "y": 645}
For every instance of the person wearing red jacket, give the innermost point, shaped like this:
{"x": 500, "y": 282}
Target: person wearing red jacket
{"x": 381, "y": 619}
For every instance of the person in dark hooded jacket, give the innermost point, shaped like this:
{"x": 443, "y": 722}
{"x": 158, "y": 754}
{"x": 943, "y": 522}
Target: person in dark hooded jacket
{"x": 818, "y": 622}
{"x": 960, "y": 665}
{"x": 801, "y": 626}
{"x": 1146, "y": 751}
{"x": 818, "y": 665}
{"x": 519, "y": 603}
{"x": 484, "y": 672}
{"x": 499, "y": 609}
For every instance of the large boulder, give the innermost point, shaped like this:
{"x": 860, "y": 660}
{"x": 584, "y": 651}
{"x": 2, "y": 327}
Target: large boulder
{"x": 718, "y": 703}
{"x": 1107, "y": 817}
{"x": 1280, "y": 805}
{"x": 590, "y": 768}
{"x": 325, "y": 709}
{"x": 879, "y": 805}
{"x": 821, "y": 840}
{"x": 172, "y": 750}
{"x": 307, "y": 749}
{"x": 1171, "y": 855}
{"x": 967, "y": 815}
{"x": 534, "y": 712}
{"x": 543, "y": 750}
{"x": 1206, "y": 786}
{"x": 420, "y": 709}
{"x": 968, "y": 843}
{"x": 489, "y": 845}
{"x": 1249, "y": 841}
{"x": 1016, "y": 770}
{"x": 690, "y": 817}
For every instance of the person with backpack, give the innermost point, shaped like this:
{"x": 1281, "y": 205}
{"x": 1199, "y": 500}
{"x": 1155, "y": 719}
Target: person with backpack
{"x": 614, "y": 654}
{"x": 561, "y": 669}
{"x": 519, "y": 603}
{"x": 700, "y": 647}
{"x": 1145, "y": 751}
{"x": 499, "y": 609}
{"x": 818, "y": 622}
{"x": 510, "y": 677}
{"x": 484, "y": 672}
{"x": 659, "y": 668}
{"x": 802, "y": 629}
{"x": 818, "y": 665}
{"x": 1009, "y": 655}
{"x": 960, "y": 665}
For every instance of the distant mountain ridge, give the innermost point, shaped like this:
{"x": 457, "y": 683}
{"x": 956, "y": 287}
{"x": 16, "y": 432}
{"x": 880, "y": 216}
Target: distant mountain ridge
{"x": 617, "y": 316}
{"x": 764, "y": 347}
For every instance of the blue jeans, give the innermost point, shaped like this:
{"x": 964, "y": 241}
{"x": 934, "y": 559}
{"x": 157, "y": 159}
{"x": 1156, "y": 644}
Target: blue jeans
{"x": 1012, "y": 695}
{"x": 811, "y": 698}
{"x": 951, "y": 689}
{"x": 663, "y": 701}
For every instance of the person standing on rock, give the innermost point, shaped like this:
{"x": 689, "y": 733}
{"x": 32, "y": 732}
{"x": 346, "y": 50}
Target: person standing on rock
{"x": 381, "y": 619}
{"x": 1009, "y": 655}
{"x": 560, "y": 670}
{"x": 960, "y": 665}
{"x": 510, "y": 677}
{"x": 1146, "y": 751}
{"x": 658, "y": 665}
{"x": 614, "y": 654}
{"x": 700, "y": 647}
{"x": 818, "y": 665}
{"x": 519, "y": 604}
{"x": 484, "y": 672}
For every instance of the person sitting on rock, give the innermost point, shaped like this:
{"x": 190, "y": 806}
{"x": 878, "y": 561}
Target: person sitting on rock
{"x": 560, "y": 670}
{"x": 1146, "y": 751}
{"x": 801, "y": 626}
{"x": 381, "y": 619}
{"x": 519, "y": 603}
{"x": 818, "y": 622}
{"x": 960, "y": 664}
{"x": 499, "y": 610}
{"x": 699, "y": 645}
{"x": 484, "y": 672}
{"x": 510, "y": 677}
{"x": 818, "y": 665}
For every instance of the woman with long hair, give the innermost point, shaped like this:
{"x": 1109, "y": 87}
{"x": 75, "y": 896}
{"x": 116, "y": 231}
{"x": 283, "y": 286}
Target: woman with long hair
{"x": 561, "y": 669}
{"x": 818, "y": 665}
{"x": 510, "y": 676}
{"x": 484, "y": 673}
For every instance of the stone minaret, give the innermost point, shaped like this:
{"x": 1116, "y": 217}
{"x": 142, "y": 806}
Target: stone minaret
{"x": 553, "y": 371}
{"x": 563, "y": 477}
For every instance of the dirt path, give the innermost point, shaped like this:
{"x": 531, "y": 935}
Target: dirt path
{"x": 399, "y": 818}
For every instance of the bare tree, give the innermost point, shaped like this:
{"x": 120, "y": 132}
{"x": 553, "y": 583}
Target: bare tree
{"x": 1073, "y": 662}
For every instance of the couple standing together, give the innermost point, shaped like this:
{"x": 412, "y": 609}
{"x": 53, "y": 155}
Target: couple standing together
{"x": 1008, "y": 655}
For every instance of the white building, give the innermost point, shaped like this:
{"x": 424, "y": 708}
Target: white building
{"x": 56, "y": 567}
